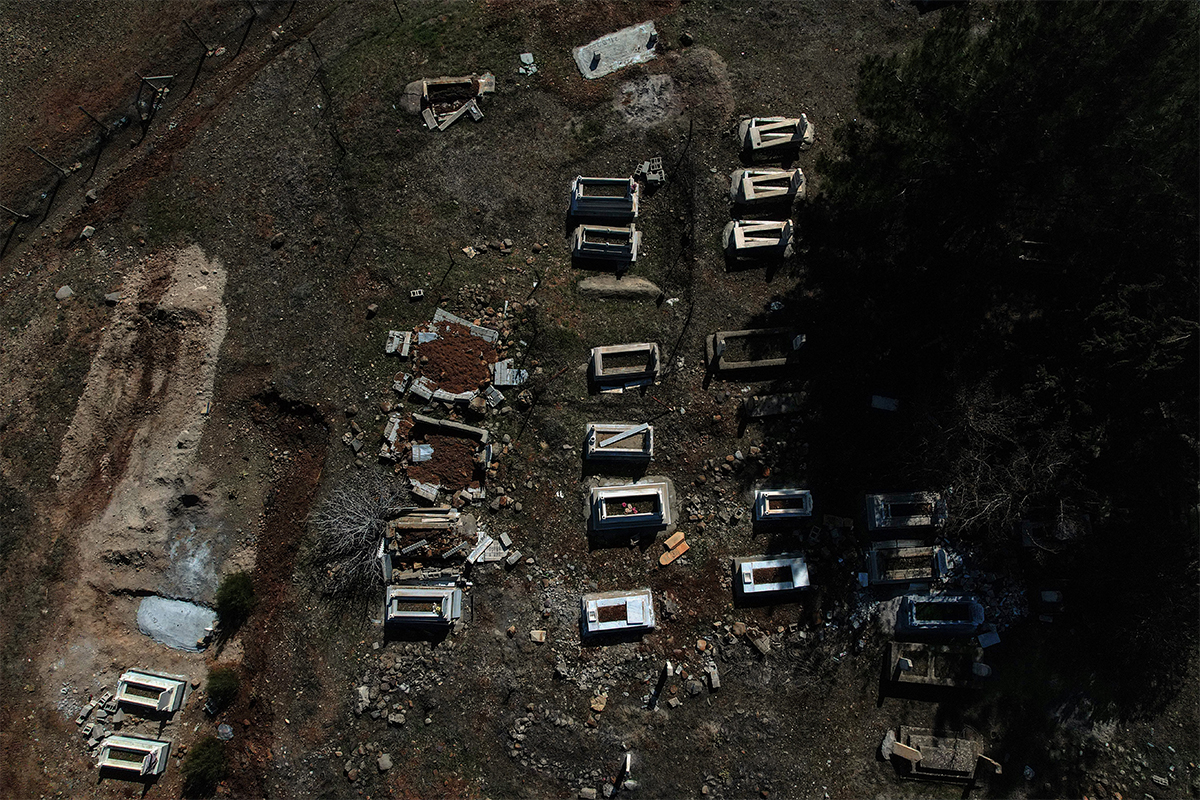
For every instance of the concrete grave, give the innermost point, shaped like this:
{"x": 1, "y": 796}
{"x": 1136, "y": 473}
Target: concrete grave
{"x": 763, "y": 186}
{"x": 625, "y": 364}
{"x": 770, "y": 134}
{"x": 782, "y": 504}
{"x": 613, "y": 612}
{"x": 905, "y": 510}
{"x": 759, "y": 348}
{"x": 416, "y": 605}
{"x": 901, "y": 561}
{"x": 632, "y": 505}
{"x": 151, "y": 691}
{"x": 442, "y": 101}
{"x": 619, "y": 441}
{"x": 135, "y": 756}
{"x": 751, "y": 239}
{"x": 610, "y": 198}
{"x": 606, "y": 243}
{"x": 785, "y": 572}
{"x": 926, "y": 754}
{"x": 943, "y": 616}
{"x": 951, "y": 666}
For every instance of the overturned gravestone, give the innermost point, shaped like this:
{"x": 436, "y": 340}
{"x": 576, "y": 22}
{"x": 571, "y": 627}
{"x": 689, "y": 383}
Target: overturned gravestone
{"x": 632, "y": 45}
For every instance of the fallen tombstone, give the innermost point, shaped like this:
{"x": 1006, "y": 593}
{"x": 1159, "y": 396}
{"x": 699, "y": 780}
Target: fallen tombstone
{"x": 627, "y": 287}
{"x": 633, "y": 45}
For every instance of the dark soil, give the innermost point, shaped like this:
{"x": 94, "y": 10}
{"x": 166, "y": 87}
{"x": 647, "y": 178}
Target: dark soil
{"x": 290, "y": 162}
{"x": 453, "y": 463}
{"x": 457, "y": 360}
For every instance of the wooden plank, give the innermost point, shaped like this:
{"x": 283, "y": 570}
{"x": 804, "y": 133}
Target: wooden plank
{"x": 669, "y": 556}
{"x": 673, "y": 539}
{"x": 904, "y": 751}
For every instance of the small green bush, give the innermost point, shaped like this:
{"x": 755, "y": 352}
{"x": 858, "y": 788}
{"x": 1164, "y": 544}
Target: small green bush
{"x": 203, "y": 767}
{"x": 235, "y": 600}
{"x": 222, "y": 687}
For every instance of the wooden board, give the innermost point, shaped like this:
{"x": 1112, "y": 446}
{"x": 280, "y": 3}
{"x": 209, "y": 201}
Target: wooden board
{"x": 669, "y": 556}
{"x": 673, "y": 539}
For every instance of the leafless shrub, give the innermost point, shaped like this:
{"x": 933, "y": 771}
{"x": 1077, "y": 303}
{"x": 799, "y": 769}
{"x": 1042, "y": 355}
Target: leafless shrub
{"x": 349, "y": 526}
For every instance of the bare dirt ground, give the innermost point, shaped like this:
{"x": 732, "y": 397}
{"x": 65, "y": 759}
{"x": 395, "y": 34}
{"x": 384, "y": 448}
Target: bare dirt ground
{"x": 187, "y": 431}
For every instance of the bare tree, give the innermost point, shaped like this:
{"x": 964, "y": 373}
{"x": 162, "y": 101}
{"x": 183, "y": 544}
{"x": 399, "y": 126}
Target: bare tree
{"x": 349, "y": 526}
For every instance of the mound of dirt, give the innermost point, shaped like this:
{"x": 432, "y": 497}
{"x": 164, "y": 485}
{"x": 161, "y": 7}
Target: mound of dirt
{"x": 456, "y": 361}
{"x": 452, "y": 465}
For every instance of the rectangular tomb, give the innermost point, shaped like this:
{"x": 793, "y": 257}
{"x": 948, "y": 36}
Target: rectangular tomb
{"x": 902, "y": 562}
{"x": 775, "y": 133}
{"x": 785, "y": 572}
{"x": 619, "y": 441}
{"x": 150, "y": 690}
{"x": 782, "y": 504}
{"x": 615, "y": 612}
{"x": 905, "y": 510}
{"x": 419, "y": 605}
{"x": 634, "y": 505}
{"x": 759, "y": 348}
{"x": 948, "y": 665}
{"x": 625, "y": 363}
{"x": 134, "y": 754}
{"x": 607, "y": 242}
{"x": 614, "y": 198}
{"x": 950, "y": 756}
{"x": 744, "y": 238}
{"x": 760, "y": 186}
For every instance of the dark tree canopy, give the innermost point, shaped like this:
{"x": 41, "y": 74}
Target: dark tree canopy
{"x": 1007, "y": 239}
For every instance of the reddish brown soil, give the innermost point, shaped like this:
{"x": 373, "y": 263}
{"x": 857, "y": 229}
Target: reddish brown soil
{"x": 452, "y": 465}
{"x": 271, "y": 638}
{"x": 458, "y": 361}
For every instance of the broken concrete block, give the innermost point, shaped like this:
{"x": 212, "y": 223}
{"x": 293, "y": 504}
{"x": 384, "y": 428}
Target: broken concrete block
{"x": 64, "y": 292}
{"x": 714, "y": 678}
{"x": 537, "y": 636}
{"x": 761, "y": 643}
